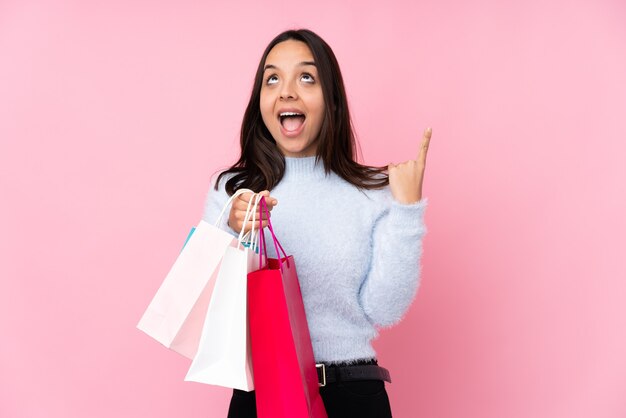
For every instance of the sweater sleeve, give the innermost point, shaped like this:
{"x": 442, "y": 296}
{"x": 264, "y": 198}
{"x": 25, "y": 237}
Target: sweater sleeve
{"x": 214, "y": 202}
{"x": 394, "y": 274}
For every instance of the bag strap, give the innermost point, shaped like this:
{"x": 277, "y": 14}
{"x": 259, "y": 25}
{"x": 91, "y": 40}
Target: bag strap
{"x": 230, "y": 200}
{"x": 253, "y": 233}
{"x": 249, "y": 210}
{"x": 263, "y": 245}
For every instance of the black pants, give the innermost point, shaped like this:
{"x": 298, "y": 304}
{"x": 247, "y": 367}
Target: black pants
{"x": 363, "y": 399}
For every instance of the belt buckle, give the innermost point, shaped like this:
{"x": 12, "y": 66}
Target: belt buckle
{"x": 323, "y": 367}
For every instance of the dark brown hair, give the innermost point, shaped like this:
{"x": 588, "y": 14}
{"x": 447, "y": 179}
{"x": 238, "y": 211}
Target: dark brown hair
{"x": 261, "y": 164}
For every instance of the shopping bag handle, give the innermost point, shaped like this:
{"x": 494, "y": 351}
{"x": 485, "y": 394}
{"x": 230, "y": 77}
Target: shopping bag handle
{"x": 253, "y": 232}
{"x": 263, "y": 245}
{"x": 230, "y": 200}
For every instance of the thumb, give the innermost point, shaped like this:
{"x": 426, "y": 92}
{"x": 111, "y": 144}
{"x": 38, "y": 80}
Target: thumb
{"x": 271, "y": 202}
{"x": 266, "y": 194}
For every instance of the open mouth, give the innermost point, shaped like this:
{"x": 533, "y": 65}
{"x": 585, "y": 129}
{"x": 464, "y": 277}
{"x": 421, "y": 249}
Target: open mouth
{"x": 291, "y": 121}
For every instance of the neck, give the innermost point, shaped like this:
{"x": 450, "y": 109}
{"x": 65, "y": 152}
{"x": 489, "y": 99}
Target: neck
{"x": 304, "y": 167}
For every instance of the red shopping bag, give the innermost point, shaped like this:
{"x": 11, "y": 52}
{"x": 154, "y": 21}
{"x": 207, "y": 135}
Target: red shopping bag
{"x": 285, "y": 377}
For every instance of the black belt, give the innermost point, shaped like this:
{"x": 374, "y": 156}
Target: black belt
{"x": 330, "y": 374}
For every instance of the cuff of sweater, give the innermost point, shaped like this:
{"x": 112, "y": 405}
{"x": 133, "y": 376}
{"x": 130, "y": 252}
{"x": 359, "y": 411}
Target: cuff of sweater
{"x": 223, "y": 225}
{"x": 226, "y": 227}
{"x": 408, "y": 216}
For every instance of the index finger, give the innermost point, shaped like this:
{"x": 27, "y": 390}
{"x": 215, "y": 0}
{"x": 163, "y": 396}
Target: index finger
{"x": 421, "y": 158}
{"x": 245, "y": 197}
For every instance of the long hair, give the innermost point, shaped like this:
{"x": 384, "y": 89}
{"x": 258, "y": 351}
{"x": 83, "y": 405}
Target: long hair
{"x": 261, "y": 165}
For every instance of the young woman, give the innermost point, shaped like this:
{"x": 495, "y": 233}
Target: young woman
{"x": 355, "y": 231}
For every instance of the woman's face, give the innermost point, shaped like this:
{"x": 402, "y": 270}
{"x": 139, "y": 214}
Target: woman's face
{"x": 292, "y": 102}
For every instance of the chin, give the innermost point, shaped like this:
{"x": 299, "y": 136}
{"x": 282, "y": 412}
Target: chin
{"x": 298, "y": 152}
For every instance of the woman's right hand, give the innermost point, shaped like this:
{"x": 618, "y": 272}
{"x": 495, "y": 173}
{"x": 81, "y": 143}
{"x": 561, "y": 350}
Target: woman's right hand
{"x": 240, "y": 206}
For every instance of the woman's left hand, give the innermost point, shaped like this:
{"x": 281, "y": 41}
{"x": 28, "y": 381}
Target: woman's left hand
{"x": 405, "y": 179}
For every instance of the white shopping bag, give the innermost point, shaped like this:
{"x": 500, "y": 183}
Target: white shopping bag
{"x": 224, "y": 357}
{"x": 176, "y": 313}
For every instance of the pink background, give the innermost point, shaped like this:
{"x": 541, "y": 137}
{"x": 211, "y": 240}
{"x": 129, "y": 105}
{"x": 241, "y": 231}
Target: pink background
{"x": 113, "y": 115}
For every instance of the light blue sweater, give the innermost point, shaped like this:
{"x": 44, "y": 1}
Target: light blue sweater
{"x": 357, "y": 254}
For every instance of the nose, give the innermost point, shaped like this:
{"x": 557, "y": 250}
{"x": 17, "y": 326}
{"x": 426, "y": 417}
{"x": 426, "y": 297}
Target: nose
{"x": 288, "y": 91}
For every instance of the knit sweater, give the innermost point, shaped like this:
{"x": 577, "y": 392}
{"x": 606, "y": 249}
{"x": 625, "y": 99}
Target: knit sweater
{"x": 357, "y": 254}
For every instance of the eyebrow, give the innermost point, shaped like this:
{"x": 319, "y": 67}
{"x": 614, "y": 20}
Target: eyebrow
{"x": 303, "y": 63}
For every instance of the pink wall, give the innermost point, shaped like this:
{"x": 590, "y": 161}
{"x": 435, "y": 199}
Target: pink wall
{"x": 113, "y": 116}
